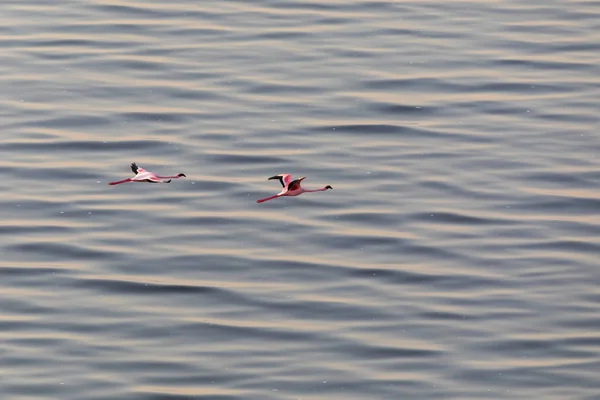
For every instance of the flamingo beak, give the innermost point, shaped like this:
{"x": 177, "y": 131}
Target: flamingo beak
{"x": 273, "y": 177}
{"x": 328, "y": 187}
{"x": 182, "y": 175}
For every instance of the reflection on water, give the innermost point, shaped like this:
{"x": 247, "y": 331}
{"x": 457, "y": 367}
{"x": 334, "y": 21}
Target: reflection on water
{"x": 456, "y": 257}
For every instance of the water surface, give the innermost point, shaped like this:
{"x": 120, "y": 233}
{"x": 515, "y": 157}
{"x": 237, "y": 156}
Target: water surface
{"x": 456, "y": 257}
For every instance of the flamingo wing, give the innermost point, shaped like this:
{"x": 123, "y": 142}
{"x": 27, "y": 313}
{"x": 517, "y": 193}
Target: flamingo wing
{"x": 153, "y": 179}
{"x": 294, "y": 185}
{"x": 287, "y": 178}
{"x": 284, "y": 179}
{"x": 137, "y": 170}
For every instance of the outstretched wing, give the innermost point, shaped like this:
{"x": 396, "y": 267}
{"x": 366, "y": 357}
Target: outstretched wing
{"x": 284, "y": 179}
{"x": 295, "y": 184}
{"x": 153, "y": 179}
{"x": 137, "y": 170}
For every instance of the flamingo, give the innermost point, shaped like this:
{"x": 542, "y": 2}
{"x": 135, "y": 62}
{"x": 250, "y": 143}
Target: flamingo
{"x": 291, "y": 187}
{"x": 141, "y": 175}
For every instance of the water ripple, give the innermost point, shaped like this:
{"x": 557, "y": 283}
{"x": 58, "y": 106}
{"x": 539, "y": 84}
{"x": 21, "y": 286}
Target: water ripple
{"x": 456, "y": 256}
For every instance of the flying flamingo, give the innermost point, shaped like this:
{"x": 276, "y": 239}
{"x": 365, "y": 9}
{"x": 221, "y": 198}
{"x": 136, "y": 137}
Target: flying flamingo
{"x": 141, "y": 175}
{"x": 291, "y": 188}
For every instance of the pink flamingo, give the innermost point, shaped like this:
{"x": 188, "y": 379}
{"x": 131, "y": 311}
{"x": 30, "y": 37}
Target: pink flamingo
{"x": 141, "y": 175}
{"x": 291, "y": 188}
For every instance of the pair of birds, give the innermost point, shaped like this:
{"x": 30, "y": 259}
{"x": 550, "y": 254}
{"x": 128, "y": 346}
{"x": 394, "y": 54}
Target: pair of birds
{"x": 290, "y": 187}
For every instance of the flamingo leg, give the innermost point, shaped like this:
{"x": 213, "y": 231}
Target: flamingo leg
{"x": 267, "y": 198}
{"x": 118, "y": 182}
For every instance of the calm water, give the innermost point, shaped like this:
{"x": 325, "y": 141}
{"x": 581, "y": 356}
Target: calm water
{"x": 456, "y": 258}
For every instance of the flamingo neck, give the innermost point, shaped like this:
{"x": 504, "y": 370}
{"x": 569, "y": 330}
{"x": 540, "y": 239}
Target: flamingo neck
{"x": 315, "y": 190}
{"x": 168, "y": 177}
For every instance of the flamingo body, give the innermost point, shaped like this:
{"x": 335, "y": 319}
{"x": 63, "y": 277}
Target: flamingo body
{"x": 291, "y": 187}
{"x": 141, "y": 175}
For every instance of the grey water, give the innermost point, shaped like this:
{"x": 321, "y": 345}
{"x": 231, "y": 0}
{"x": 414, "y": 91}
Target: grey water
{"x": 457, "y": 256}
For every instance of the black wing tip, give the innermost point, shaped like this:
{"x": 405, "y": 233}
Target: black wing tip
{"x": 278, "y": 177}
{"x": 134, "y": 167}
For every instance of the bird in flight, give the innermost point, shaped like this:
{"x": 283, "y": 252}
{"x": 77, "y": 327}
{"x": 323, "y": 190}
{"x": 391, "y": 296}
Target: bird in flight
{"x": 141, "y": 175}
{"x": 291, "y": 187}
